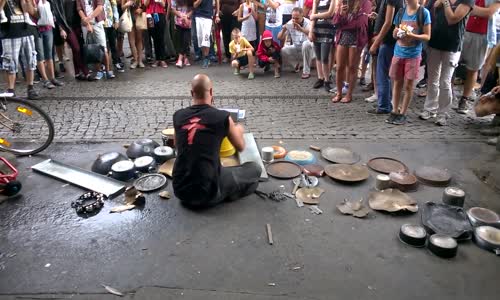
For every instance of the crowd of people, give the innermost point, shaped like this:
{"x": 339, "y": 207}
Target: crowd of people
{"x": 336, "y": 37}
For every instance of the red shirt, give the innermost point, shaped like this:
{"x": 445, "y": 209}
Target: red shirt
{"x": 155, "y": 8}
{"x": 478, "y": 24}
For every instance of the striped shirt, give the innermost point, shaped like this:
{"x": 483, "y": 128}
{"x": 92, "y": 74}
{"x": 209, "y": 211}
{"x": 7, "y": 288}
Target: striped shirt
{"x": 323, "y": 29}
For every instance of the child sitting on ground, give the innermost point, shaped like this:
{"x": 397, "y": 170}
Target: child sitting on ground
{"x": 268, "y": 53}
{"x": 241, "y": 53}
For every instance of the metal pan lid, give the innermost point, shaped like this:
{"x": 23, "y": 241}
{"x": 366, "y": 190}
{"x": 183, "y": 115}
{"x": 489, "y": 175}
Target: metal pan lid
{"x": 122, "y": 166}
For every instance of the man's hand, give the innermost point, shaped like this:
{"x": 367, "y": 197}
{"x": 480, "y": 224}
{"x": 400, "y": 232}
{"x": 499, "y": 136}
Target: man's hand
{"x": 298, "y": 27}
{"x": 271, "y": 60}
{"x": 374, "y": 47}
{"x": 312, "y": 37}
{"x": 90, "y": 29}
{"x": 116, "y": 25}
{"x": 438, "y": 3}
{"x": 217, "y": 20}
{"x": 343, "y": 10}
{"x": 63, "y": 33}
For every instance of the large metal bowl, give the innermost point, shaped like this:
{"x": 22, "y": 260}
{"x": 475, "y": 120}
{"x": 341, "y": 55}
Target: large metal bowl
{"x": 488, "y": 238}
{"x": 142, "y": 147}
{"x": 103, "y": 163}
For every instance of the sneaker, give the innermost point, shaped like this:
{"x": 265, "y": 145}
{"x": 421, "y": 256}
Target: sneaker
{"x": 305, "y": 75}
{"x": 119, "y": 68}
{"x": 62, "y": 68}
{"x": 463, "y": 105}
{"x": 213, "y": 59}
{"x": 36, "y": 79}
{"x": 99, "y": 75}
{"x": 251, "y": 76}
{"x": 297, "y": 68}
{"x": 186, "y": 62}
{"x": 376, "y": 111}
{"x": 163, "y": 64}
{"x": 319, "y": 83}
{"x": 236, "y": 71}
{"x": 277, "y": 74}
{"x": 441, "y": 120}
{"x": 110, "y": 75}
{"x": 80, "y": 76}
{"x": 399, "y": 120}
{"x": 426, "y": 115}
{"x": 48, "y": 85}
{"x": 267, "y": 68}
{"x": 368, "y": 88}
{"x": 33, "y": 94}
{"x": 345, "y": 88}
{"x": 133, "y": 65}
{"x": 178, "y": 64}
{"x": 57, "y": 82}
{"x": 154, "y": 64}
{"x": 422, "y": 83}
{"x": 205, "y": 63}
{"x": 372, "y": 98}
{"x": 141, "y": 65}
{"x": 328, "y": 86}
{"x": 392, "y": 118}
{"x": 59, "y": 75}
{"x": 362, "y": 81}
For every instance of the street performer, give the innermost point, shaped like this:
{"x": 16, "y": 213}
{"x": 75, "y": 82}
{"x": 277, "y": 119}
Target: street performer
{"x": 199, "y": 180}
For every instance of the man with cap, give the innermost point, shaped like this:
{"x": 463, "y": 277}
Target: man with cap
{"x": 199, "y": 180}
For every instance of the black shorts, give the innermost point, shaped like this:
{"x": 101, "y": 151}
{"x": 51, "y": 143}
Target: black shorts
{"x": 242, "y": 60}
{"x": 58, "y": 40}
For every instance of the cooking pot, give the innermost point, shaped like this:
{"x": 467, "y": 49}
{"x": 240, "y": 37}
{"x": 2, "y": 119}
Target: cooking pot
{"x": 103, "y": 163}
{"x": 163, "y": 153}
{"x": 442, "y": 245}
{"x": 144, "y": 164}
{"x": 142, "y": 147}
{"x": 488, "y": 238}
{"x": 123, "y": 170}
{"x": 479, "y": 216}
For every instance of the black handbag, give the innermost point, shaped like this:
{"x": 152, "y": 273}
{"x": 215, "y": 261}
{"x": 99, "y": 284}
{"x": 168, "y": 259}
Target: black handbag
{"x": 93, "y": 53}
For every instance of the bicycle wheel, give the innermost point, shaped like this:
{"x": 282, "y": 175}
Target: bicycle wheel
{"x": 25, "y": 129}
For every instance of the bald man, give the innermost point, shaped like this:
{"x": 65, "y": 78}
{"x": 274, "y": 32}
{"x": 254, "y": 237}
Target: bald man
{"x": 199, "y": 180}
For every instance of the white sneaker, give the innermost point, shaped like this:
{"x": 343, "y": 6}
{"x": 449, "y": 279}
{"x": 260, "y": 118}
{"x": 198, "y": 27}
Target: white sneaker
{"x": 442, "y": 120}
{"x": 372, "y": 98}
{"x": 426, "y": 115}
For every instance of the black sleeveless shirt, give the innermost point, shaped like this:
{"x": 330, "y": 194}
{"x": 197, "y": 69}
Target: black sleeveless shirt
{"x": 199, "y": 130}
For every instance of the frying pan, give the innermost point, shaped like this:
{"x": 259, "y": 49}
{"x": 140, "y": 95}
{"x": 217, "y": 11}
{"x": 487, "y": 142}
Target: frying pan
{"x": 340, "y": 155}
{"x": 347, "y": 173}
{"x": 447, "y": 220}
{"x": 283, "y": 169}
{"x": 488, "y": 238}
{"x": 386, "y": 165}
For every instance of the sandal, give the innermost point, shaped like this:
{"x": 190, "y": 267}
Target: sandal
{"x": 337, "y": 98}
{"x": 345, "y": 100}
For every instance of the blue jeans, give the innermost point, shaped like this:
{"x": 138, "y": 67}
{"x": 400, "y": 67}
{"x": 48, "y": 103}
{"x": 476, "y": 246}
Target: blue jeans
{"x": 384, "y": 89}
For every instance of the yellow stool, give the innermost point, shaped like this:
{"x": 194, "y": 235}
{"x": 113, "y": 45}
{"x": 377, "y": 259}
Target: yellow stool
{"x": 226, "y": 148}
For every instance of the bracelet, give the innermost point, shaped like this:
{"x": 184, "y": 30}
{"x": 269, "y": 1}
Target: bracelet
{"x": 88, "y": 203}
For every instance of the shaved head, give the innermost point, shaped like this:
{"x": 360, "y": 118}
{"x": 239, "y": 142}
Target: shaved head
{"x": 201, "y": 88}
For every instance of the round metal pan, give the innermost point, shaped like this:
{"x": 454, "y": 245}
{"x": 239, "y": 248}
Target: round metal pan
{"x": 150, "y": 182}
{"x": 340, "y": 155}
{"x": 386, "y": 165}
{"x": 479, "y": 216}
{"x": 488, "y": 238}
{"x": 347, "y": 173}
{"x": 433, "y": 176}
{"x": 404, "y": 181}
{"x": 283, "y": 169}
{"x": 314, "y": 170}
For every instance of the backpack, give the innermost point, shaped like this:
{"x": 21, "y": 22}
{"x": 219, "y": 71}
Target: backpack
{"x": 420, "y": 18}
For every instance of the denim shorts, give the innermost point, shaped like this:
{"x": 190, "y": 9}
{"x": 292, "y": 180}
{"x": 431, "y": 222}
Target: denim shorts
{"x": 44, "y": 44}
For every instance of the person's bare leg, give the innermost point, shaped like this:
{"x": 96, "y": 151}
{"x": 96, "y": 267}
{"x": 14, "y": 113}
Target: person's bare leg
{"x": 352, "y": 72}
{"x": 60, "y": 52}
{"x": 251, "y": 61}
{"x": 332, "y": 59}
{"x": 138, "y": 45}
{"x": 30, "y": 74}
{"x": 396, "y": 94}
{"x": 49, "y": 69}
{"x": 408, "y": 86}
{"x": 131, "y": 41}
{"x": 41, "y": 70}
{"x": 11, "y": 80}
{"x": 342, "y": 54}
{"x": 470, "y": 81}
{"x": 319, "y": 69}
{"x": 106, "y": 61}
{"x": 205, "y": 51}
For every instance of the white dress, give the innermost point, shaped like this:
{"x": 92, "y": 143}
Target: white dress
{"x": 249, "y": 27}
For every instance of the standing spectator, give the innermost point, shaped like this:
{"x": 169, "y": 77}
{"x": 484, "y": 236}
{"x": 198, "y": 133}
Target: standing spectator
{"x": 384, "y": 46}
{"x": 247, "y": 15}
{"x": 475, "y": 46}
{"x": 322, "y": 34}
{"x": 18, "y": 38}
{"x": 68, "y": 27}
{"x": 261, "y": 15}
{"x": 228, "y": 22}
{"x": 203, "y": 12}
{"x": 443, "y": 53}
{"x": 274, "y": 17}
{"x": 301, "y": 48}
{"x": 351, "y": 21}
{"x": 155, "y": 9}
{"x": 135, "y": 36}
{"x": 268, "y": 53}
{"x": 110, "y": 26}
{"x": 44, "y": 44}
{"x": 308, "y": 5}
{"x": 170, "y": 50}
{"x": 92, "y": 14}
{"x": 407, "y": 55}
{"x": 183, "y": 13}
{"x": 286, "y": 9}
{"x": 241, "y": 54}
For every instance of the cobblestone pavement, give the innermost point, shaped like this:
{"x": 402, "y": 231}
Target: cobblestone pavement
{"x": 141, "y": 103}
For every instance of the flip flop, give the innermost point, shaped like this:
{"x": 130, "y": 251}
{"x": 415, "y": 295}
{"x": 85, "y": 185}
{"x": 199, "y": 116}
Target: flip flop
{"x": 345, "y": 100}
{"x": 337, "y": 98}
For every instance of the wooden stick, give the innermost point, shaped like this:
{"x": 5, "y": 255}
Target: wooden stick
{"x": 269, "y": 234}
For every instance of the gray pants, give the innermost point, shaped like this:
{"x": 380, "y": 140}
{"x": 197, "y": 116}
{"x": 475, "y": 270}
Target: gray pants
{"x": 293, "y": 55}
{"x": 441, "y": 66}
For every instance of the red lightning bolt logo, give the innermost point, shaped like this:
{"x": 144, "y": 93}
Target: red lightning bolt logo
{"x": 191, "y": 127}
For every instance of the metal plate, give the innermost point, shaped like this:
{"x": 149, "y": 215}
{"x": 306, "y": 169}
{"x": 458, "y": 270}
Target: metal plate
{"x": 446, "y": 219}
{"x": 482, "y": 216}
{"x": 433, "y": 176}
{"x": 392, "y": 200}
{"x": 404, "y": 181}
{"x": 347, "y": 173}
{"x": 150, "y": 182}
{"x": 386, "y": 165}
{"x": 80, "y": 177}
{"x": 340, "y": 155}
{"x": 283, "y": 169}
{"x": 167, "y": 167}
